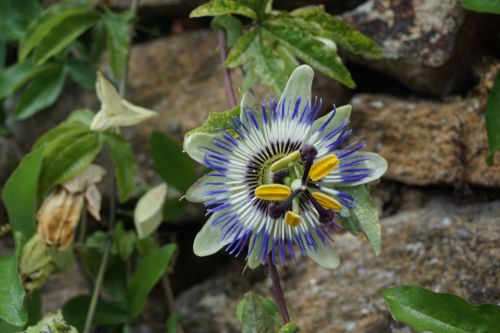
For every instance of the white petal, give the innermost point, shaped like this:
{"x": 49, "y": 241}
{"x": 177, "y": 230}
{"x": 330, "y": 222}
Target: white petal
{"x": 107, "y": 94}
{"x": 195, "y": 144}
{"x": 255, "y": 259}
{"x": 374, "y": 162}
{"x": 93, "y": 174}
{"x": 209, "y": 239}
{"x": 343, "y": 114}
{"x": 198, "y": 191}
{"x": 325, "y": 257}
{"x": 148, "y": 212}
{"x": 299, "y": 85}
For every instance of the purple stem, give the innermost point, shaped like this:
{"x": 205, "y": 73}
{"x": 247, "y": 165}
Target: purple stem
{"x": 278, "y": 291}
{"x": 228, "y": 82}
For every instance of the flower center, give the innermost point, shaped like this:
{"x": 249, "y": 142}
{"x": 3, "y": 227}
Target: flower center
{"x": 293, "y": 180}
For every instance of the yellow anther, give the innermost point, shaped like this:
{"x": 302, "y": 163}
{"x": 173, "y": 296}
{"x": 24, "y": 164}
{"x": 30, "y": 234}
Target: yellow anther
{"x": 292, "y": 219}
{"x": 283, "y": 162}
{"x": 273, "y": 192}
{"x": 323, "y": 167}
{"x": 327, "y": 201}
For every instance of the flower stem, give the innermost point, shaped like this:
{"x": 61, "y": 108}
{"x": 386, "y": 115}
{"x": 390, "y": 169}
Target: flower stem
{"x": 228, "y": 82}
{"x": 112, "y": 211}
{"x": 278, "y": 291}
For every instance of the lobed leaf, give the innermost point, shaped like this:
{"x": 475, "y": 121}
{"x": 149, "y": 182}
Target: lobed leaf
{"x": 215, "y": 121}
{"x": 425, "y": 310}
{"x": 42, "y": 92}
{"x": 224, "y": 7}
{"x": 124, "y": 163}
{"x": 231, "y": 25}
{"x": 492, "y": 120}
{"x": 257, "y": 315}
{"x": 309, "y": 48}
{"x": 149, "y": 271}
{"x": 337, "y": 30}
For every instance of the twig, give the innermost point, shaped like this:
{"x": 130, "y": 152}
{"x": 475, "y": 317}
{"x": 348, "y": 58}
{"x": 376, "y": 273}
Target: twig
{"x": 228, "y": 82}
{"x": 112, "y": 213}
{"x": 278, "y": 291}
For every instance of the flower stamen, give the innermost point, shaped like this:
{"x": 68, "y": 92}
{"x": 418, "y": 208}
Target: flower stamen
{"x": 323, "y": 167}
{"x": 292, "y": 219}
{"x": 326, "y": 201}
{"x": 273, "y": 192}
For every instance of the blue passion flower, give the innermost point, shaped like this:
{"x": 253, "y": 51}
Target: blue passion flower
{"x": 276, "y": 179}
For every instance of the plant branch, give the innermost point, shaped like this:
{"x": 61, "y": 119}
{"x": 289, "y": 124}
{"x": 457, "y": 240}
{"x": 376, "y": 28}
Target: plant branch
{"x": 228, "y": 82}
{"x": 278, "y": 291}
{"x": 112, "y": 210}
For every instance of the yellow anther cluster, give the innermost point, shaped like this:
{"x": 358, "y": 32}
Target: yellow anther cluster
{"x": 273, "y": 192}
{"x": 327, "y": 201}
{"x": 292, "y": 219}
{"x": 323, "y": 167}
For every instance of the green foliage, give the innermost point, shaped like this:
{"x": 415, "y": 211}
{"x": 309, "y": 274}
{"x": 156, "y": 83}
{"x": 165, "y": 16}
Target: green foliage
{"x": 232, "y": 26}
{"x": 15, "y": 16}
{"x": 492, "y": 120}
{"x": 67, "y": 157}
{"x": 75, "y": 310}
{"x": 425, "y": 310}
{"x": 365, "y": 216}
{"x": 173, "y": 324}
{"x": 123, "y": 241}
{"x": 482, "y": 6}
{"x": 11, "y": 292}
{"x": 258, "y": 314}
{"x": 118, "y": 40}
{"x": 124, "y": 162}
{"x": 55, "y": 29}
{"x": 20, "y": 193}
{"x": 214, "y": 121}
{"x": 17, "y": 75}
{"x": 268, "y": 50}
{"x": 174, "y": 167}
{"x": 42, "y": 92}
{"x": 146, "y": 275}
{"x": 82, "y": 72}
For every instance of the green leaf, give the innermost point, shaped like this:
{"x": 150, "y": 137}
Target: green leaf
{"x": 65, "y": 129}
{"x": 338, "y": 31}
{"x": 173, "y": 324}
{"x": 17, "y": 75}
{"x": 83, "y": 116}
{"x": 173, "y": 208}
{"x": 290, "y": 328}
{"x": 256, "y": 316}
{"x": 68, "y": 157}
{"x": 365, "y": 214}
{"x": 425, "y": 310}
{"x": 148, "y": 211}
{"x": 15, "y": 16}
{"x": 297, "y": 39}
{"x": 492, "y": 120}
{"x": 55, "y": 29}
{"x": 98, "y": 37}
{"x": 11, "y": 292}
{"x": 482, "y": 6}
{"x": 124, "y": 162}
{"x": 174, "y": 167}
{"x": 20, "y": 193}
{"x": 75, "y": 312}
{"x": 214, "y": 121}
{"x": 123, "y": 241}
{"x": 224, "y": 7}
{"x": 118, "y": 40}
{"x": 3, "y": 54}
{"x": 232, "y": 26}
{"x": 83, "y": 73}
{"x": 149, "y": 271}
{"x": 42, "y": 92}
{"x": 63, "y": 34}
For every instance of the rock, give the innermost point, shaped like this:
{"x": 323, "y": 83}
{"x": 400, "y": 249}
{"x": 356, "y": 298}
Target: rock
{"x": 427, "y": 45}
{"x": 427, "y": 142}
{"x": 441, "y": 246}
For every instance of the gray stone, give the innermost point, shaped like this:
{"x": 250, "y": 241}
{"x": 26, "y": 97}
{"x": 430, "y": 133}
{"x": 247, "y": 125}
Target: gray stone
{"x": 424, "y": 246}
{"x": 427, "y": 45}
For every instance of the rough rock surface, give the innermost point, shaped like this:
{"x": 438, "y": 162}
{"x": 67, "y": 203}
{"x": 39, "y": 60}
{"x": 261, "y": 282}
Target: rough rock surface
{"x": 427, "y": 142}
{"x": 425, "y": 44}
{"x": 441, "y": 246}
